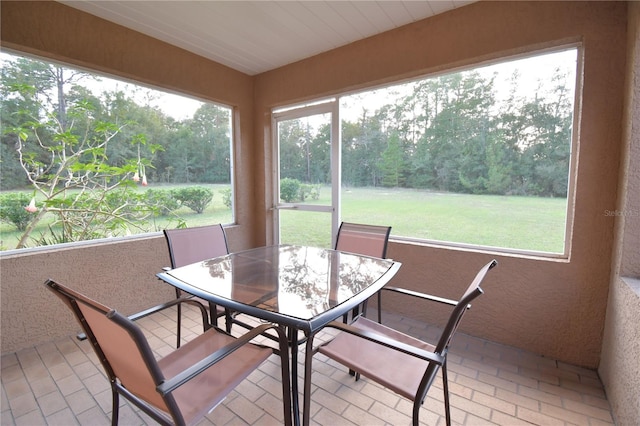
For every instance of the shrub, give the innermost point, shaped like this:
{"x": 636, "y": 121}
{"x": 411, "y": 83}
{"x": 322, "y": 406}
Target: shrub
{"x": 197, "y": 198}
{"x": 289, "y": 189}
{"x": 308, "y": 190}
{"x": 226, "y": 197}
{"x": 163, "y": 201}
{"x": 125, "y": 202}
{"x": 12, "y": 210}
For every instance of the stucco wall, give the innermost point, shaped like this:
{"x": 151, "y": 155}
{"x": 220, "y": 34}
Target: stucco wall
{"x": 620, "y": 364}
{"x": 121, "y": 275}
{"x": 552, "y": 307}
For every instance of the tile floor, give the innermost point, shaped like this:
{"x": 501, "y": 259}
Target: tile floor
{"x": 62, "y": 383}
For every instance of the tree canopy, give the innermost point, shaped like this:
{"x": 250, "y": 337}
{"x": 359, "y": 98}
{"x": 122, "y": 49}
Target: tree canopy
{"x": 191, "y": 150}
{"x": 449, "y": 133}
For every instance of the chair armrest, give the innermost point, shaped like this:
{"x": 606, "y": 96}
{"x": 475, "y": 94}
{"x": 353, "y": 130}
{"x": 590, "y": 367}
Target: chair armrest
{"x": 387, "y": 342}
{"x": 189, "y": 373}
{"x": 162, "y": 306}
{"x": 165, "y": 305}
{"x": 421, "y": 295}
{"x": 412, "y": 293}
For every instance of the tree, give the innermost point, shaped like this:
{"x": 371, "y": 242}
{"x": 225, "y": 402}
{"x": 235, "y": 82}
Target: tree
{"x": 532, "y": 141}
{"x": 292, "y": 140}
{"x": 319, "y": 156}
{"x": 62, "y": 148}
{"x": 453, "y": 135}
{"x": 20, "y": 73}
{"x": 391, "y": 164}
{"x": 209, "y": 144}
{"x": 457, "y": 119}
{"x": 362, "y": 146}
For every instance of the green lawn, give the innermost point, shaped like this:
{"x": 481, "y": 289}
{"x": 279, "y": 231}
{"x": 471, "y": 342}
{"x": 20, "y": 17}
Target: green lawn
{"x": 216, "y": 212}
{"x": 526, "y": 223}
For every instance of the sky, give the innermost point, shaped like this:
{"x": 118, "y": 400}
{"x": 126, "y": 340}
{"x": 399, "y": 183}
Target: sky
{"x": 531, "y": 69}
{"x": 176, "y": 106}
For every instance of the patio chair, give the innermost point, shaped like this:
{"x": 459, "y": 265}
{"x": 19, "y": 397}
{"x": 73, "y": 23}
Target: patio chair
{"x": 401, "y": 363}
{"x": 368, "y": 240}
{"x": 190, "y": 245}
{"x": 183, "y": 386}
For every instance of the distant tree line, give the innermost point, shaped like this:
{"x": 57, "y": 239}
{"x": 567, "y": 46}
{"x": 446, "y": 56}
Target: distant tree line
{"x": 450, "y": 133}
{"x": 194, "y": 150}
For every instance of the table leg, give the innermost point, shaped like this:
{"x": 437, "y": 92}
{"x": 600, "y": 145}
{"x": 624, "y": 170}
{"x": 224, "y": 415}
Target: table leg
{"x": 308, "y": 359}
{"x": 293, "y": 341}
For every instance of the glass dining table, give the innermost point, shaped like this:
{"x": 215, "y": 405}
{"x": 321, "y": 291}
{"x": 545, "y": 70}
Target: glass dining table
{"x": 297, "y": 287}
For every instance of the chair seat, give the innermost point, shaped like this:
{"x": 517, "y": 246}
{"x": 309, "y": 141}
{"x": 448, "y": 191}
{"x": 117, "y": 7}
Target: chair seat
{"x": 195, "y": 396}
{"x": 404, "y": 372}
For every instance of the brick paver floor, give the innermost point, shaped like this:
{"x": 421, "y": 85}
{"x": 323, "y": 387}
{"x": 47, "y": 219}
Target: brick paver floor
{"x": 62, "y": 383}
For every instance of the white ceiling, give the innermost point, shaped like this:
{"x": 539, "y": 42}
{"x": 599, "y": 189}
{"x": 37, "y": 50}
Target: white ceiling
{"x": 257, "y": 36}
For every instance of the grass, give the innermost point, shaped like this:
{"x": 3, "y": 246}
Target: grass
{"x": 524, "y": 223}
{"x": 216, "y": 212}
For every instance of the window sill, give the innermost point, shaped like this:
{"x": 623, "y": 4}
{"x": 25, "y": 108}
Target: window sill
{"x": 633, "y": 283}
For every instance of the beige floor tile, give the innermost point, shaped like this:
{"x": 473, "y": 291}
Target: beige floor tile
{"x": 62, "y": 382}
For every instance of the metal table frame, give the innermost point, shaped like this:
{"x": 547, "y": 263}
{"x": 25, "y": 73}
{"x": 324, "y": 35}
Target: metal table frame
{"x": 309, "y": 325}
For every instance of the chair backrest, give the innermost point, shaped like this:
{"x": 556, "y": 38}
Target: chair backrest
{"x": 190, "y": 245}
{"x": 461, "y": 307}
{"x": 120, "y": 345}
{"x": 368, "y": 240}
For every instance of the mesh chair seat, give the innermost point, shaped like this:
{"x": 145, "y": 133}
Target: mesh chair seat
{"x": 398, "y": 373}
{"x": 197, "y": 397}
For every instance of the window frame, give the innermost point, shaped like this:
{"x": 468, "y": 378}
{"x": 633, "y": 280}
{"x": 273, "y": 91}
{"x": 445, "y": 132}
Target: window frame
{"x": 573, "y": 157}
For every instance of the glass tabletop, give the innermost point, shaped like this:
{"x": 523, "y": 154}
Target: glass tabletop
{"x": 295, "y": 282}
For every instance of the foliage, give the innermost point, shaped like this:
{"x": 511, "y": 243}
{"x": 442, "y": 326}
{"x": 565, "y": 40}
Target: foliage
{"x": 309, "y": 191}
{"x": 391, "y": 163}
{"x": 125, "y": 202}
{"x": 292, "y": 190}
{"x": 12, "y": 210}
{"x": 197, "y": 198}
{"x": 80, "y": 152}
{"x": 62, "y": 146}
{"x": 448, "y": 133}
{"x": 289, "y": 190}
{"x": 162, "y": 201}
{"x": 85, "y": 155}
{"x": 226, "y": 197}
{"x": 197, "y": 149}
